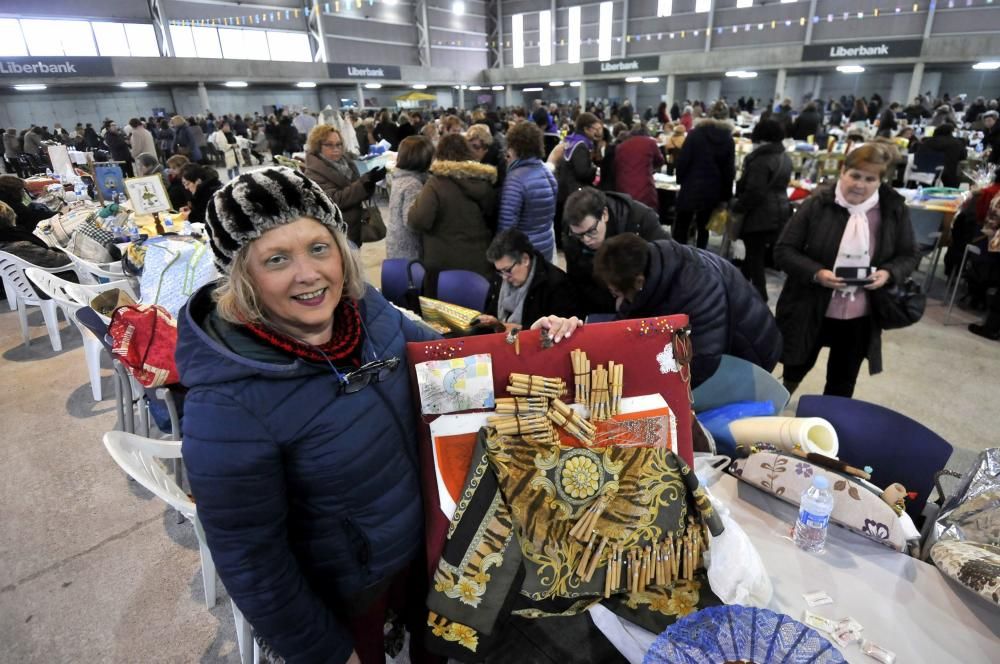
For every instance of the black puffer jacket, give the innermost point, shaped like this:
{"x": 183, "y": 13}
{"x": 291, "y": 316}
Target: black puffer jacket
{"x": 624, "y": 216}
{"x": 549, "y": 293}
{"x": 810, "y": 242}
{"x": 762, "y": 192}
{"x": 706, "y": 166}
{"x": 726, "y": 313}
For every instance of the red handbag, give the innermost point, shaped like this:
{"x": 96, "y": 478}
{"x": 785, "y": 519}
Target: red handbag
{"x": 144, "y": 338}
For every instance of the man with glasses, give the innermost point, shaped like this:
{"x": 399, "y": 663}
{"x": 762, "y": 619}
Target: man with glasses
{"x": 592, "y": 217}
{"x": 526, "y": 286}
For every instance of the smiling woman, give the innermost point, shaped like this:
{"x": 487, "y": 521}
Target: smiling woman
{"x": 296, "y": 435}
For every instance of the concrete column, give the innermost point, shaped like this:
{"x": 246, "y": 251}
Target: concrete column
{"x": 916, "y": 81}
{"x": 508, "y": 95}
{"x": 779, "y": 86}
{"x": 582, "y": 90}
{"x": 461, "y": 97}
{"x": 817, "y": 87}
{"x": 203, "y": 98}
{"x": 671, "y": 85}
{"x": 360, "y": 94}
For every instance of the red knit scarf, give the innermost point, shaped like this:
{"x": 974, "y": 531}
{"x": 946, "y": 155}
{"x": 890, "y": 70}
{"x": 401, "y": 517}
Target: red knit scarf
{"x": 343, "y": 345}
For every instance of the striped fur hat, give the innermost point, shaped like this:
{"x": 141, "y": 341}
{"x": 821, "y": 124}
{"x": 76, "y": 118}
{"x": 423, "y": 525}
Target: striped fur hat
{"x": 256, "y": 202}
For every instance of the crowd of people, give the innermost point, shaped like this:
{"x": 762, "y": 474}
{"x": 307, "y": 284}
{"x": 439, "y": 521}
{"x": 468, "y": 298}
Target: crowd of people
{"x": 296, "y": 431}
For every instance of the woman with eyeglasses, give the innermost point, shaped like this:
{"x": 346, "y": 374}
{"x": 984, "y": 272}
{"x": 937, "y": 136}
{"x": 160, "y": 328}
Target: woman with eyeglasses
{"x": 298, "y": 426}
{"x": 338, "y": 177}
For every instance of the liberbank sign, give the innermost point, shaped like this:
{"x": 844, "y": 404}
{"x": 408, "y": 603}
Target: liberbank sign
{"x": 33, "y": 69}
{"x": 624, "y": 66}
{"x": 889, "y": 48}
{"x": 373, "y": 72}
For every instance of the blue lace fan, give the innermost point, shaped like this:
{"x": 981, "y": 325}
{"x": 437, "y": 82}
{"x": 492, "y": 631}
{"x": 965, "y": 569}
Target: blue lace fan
{"x": 720, "y": 634}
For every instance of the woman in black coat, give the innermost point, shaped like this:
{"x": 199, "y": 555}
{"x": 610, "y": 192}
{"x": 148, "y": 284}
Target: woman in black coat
{"x": 706, "y": 168}
{"x": 816, "y": 308}
{"x": 201, "y": 182}
{"x": 762, "y": 199}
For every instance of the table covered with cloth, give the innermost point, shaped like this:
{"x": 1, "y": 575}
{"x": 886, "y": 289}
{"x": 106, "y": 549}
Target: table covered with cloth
{"x": 905, "y": 605}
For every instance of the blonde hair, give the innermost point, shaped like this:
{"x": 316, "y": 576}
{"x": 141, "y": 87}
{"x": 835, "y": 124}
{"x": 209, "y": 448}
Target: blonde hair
{"x": 318, "y": 134}
{"x": 481, "y": 133}
{"x": 236, "y": 297}
{"x": 8, "y": 218}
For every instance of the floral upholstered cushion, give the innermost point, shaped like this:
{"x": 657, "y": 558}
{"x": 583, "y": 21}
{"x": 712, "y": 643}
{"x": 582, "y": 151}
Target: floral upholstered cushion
{"x": 855, "y": 506}
{"x": 976, "y": 566}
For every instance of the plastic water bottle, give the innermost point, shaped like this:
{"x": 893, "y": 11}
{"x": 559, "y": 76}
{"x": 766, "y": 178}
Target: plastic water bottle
{"x": 815, "y": 508}
{"x": 186, "y": 228}
{"x": 80, "y": 191}
{"x": 133, "y": 231}
{"x": 920, "y": 192}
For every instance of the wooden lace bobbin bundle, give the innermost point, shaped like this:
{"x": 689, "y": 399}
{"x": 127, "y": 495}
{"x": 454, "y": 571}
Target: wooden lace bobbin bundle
{"x": 568, "y": 419}
{"x": 617, "y": 378}
{"x": 581, "y": 376}
{"x": 599, "y": 409}
{"x": 519, "y": 425}
{"x": 522, "y": 405}
{"x": 536, "y": 386}
{"x": 581, "y": 569}
{"x": 587, "y": 523}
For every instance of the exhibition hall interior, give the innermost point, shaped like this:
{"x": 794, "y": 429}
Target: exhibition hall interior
{"x": 506, "y": 331}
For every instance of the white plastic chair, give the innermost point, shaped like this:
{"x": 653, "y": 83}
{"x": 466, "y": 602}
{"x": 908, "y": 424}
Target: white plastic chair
{"x": 94, "y": 273}
{"x": 71, "y": 297}
{"x": 16, "y": 282}
{"x": 139, "y": 457}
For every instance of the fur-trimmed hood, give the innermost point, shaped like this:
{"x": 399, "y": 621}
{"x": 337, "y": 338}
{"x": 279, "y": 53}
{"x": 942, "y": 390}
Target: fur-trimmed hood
{"x": 712, "y": 122}
{"x": 465, "y": 170}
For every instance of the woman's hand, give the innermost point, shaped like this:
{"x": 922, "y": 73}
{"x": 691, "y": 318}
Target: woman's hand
{"x": 879, "y": 279}
{"x": 486, "y": 319}
{"x": 827, "y": 279}
{"x": 559, "y": 328}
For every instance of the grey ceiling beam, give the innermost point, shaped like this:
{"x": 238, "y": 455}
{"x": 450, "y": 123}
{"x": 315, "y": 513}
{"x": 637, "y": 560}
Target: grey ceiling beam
{"x": 317, "y": 35}
{"x": 423, "y": 38}
{"x": 161, "y": 27}
{"x": 494, "y": 34}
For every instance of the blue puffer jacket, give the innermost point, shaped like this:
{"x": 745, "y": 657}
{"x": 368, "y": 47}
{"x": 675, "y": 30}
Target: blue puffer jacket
{"x": 528, "y": 203}
{"x": 310, "y": 500}
{"x": 727, "y": 315}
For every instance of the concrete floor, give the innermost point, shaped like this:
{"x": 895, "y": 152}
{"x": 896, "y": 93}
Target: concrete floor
{"x": 95, "y": 569}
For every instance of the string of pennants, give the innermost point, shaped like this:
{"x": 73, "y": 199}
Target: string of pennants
{"x": 338, "y": 6}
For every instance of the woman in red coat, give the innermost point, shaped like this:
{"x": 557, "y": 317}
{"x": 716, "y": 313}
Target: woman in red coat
{"x": 636, "y": 159}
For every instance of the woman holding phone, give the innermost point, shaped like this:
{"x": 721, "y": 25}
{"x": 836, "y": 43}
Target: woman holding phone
{"x": 847, "y": 241}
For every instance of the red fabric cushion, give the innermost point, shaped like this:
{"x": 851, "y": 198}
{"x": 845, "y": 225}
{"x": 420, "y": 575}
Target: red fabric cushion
{"x": 144, "y": 338}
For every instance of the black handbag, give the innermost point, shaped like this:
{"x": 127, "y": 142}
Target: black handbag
{"x": 899, "y": 305}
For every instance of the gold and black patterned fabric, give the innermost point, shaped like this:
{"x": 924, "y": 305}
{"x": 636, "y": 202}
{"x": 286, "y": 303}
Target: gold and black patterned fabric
{"x": 510, "y": 554}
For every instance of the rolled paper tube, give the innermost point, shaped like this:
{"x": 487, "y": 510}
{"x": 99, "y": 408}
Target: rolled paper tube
{"x": 811, "y": 434}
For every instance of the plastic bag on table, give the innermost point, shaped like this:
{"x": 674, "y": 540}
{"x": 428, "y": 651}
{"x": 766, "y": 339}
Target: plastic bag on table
{"x": 736, "y": 572}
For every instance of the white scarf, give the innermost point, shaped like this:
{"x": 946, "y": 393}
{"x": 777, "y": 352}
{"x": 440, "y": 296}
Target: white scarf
{"x": 854, "y": 244}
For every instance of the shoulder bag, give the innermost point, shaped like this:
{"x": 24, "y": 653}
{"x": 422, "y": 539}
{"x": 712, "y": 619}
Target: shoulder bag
{"x": 899, "y": 305}
{"x": 372, "y": 228}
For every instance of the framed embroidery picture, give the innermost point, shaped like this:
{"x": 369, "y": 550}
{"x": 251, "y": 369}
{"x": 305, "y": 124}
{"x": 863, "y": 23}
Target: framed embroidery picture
{"x": 148, "y": 194}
